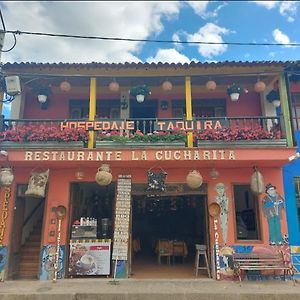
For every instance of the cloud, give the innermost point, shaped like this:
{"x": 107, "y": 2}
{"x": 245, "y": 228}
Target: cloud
{"x": 137, "y": 20}
{"x": 280, "y": 37}
{"x": 287, "y": 9}
{"x": 168, "y": 56}
{"x": 210, "y": 33}
{"x": 200, "y": 8}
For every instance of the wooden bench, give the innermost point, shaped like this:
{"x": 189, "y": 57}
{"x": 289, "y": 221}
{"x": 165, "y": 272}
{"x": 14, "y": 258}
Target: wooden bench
{"x": 261, "y": 262}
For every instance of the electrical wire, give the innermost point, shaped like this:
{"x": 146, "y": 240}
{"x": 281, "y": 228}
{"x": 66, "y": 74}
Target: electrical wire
{"x": 18, "y": 32}
{"x": 13, "y": 46}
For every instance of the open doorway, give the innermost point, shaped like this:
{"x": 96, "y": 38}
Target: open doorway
{"x": 26, "y": 235}
{"x": 164, "y": 233}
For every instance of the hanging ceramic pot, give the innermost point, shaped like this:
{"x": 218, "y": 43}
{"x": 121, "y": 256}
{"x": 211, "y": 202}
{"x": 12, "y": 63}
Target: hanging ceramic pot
{"x": 104, "y": 176}
{"x": 194, "y": 179}
{"x": 257, "y": 184}
{"x": 6, "y": 176}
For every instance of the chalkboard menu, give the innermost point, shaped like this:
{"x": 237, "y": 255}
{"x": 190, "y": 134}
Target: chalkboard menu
{"x": 122, "y": 216}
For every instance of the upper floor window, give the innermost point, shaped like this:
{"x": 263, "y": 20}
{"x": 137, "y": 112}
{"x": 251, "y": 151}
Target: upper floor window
{"x": 297, "y": 194}
{"x": 246, "y": 213}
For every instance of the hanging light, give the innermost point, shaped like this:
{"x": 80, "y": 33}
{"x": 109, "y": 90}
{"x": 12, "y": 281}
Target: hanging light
{"x": 79, "y": 174}
{"x": 65, "y": 86}
{"x": 259, "y": 86}
{"x": 167, "y": 86}
{"x": 114, "y": 86}
{"x": 211, "y": 85}
{"x": 214, "y": 173}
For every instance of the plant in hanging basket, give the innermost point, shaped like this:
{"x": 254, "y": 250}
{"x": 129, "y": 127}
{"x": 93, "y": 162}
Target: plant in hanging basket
{"x": 41, "y": 89}
{"x": 140, "y": 90}
{"x": 234, "y": 89}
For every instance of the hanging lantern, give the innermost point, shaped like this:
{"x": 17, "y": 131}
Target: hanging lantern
{"x": 214, "y": 173}
{"x": 65, "y": 86}
{"x": 79, "y": 174}
{"x": 194, "y": 179}
{"x": 114, "y": 86}
{"x": 6, "y": 176}
{"x": 257, "y": 182}
{"x": 104, "y": 176}
{"x": 211, "y": 85}
{"x": 259, "y": 86}
{"x": 167, "y": 86}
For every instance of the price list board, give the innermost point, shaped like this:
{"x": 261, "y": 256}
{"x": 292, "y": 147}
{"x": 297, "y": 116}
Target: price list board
{"x": 122, "y": 217}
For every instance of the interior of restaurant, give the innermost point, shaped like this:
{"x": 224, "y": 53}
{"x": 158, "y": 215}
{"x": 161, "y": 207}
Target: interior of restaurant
{"x": 165, "y": 230}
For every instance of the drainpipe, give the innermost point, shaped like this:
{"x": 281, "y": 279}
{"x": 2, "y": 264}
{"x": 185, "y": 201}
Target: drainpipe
{"x": 188, "y": 108}
{"x": 92, "y": 111}
{"x": 285, "y": 109}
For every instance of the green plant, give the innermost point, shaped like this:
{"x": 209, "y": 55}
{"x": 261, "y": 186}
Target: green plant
{"x": 234, "y": 89}
{"x": 41, "y": 89}
{"x": 140, "y": 90}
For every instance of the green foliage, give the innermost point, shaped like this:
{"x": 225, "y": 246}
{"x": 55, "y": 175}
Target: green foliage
{"x": 140, "y": 90}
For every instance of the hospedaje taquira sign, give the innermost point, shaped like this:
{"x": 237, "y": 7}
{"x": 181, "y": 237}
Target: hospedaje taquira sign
{"x": 159, "y": 125}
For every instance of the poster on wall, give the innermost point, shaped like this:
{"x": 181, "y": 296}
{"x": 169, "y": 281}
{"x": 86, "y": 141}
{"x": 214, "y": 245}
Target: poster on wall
{"x": 89, "y": 258}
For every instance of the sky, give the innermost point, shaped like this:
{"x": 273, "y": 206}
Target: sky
{"x": 205, "y": 21}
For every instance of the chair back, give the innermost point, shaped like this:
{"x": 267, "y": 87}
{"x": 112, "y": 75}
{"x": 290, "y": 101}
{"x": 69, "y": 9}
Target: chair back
{"x": 200, "y": 247}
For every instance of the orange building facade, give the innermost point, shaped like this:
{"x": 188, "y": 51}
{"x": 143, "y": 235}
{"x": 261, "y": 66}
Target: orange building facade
{"x": 184, "y": 166}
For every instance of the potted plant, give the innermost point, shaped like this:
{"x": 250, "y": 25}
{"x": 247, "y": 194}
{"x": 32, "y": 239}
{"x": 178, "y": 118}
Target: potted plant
{"x": 42, "y": 91}
{"x": 234, "y": 92}
{"x": 140, "y": 92}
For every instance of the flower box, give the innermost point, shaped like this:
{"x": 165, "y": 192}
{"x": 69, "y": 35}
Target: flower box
{"x": 43, "y": 145}
{"x": 140, "y": 144}
{"x": 243, "y": 143}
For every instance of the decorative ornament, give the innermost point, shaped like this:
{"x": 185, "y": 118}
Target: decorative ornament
{"x": 214, "y": 209}
{"x": 79, "y": 174}
{"x": 6, "y": 176}
{"x": 211, "y": 85}
{"x": 167, "y": 86}
{"x": 103, "y": 176}
{"x": 65, "y": 86}
{"x": 37, "y": 184}
{"x": 114, "y": 86}
{"x": 214, "y": 173}
{"x": 194, "y": 179}
{"x": 257, "y": 184}
{"x": 156, "y": 181}
{"x": 259, "y": 86}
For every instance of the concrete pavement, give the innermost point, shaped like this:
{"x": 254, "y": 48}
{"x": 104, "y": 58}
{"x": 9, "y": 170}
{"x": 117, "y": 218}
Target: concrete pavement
{"x": 146, "y": 289}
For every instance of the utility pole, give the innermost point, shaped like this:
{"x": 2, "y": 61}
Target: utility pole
{"x": 2, "y": 35}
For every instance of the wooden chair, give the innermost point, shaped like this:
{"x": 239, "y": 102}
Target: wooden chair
{"x": 164, "y": 249}
{"x": 179, "y": 249}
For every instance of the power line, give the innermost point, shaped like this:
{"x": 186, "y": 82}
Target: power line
{"x": 18, "y": 32}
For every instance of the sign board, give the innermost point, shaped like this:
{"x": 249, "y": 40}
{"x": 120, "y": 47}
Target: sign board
{"x": 122, "y": 217}
{"x": 89, "y": 257}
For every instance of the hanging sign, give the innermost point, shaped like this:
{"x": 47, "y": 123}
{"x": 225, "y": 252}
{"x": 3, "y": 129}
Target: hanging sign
{"x": 4, "y": 213}
{"x": 122, "y": 217}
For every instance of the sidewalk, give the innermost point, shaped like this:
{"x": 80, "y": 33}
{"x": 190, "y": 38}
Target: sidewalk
{"x": 146, "y": 289}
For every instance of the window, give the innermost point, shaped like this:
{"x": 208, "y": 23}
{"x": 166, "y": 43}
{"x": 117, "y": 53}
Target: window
{"x": 246, "y": 216}
{"x": 297, "y": 193}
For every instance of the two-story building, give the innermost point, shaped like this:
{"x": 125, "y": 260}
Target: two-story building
{"x": 108, "y": 184}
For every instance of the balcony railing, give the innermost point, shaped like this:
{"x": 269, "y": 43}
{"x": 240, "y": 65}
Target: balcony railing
{"x": 223, "y": 129}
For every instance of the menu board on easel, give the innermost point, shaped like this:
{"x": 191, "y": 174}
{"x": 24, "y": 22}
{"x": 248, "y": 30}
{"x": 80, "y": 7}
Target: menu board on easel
{"x": 122, "y": 217}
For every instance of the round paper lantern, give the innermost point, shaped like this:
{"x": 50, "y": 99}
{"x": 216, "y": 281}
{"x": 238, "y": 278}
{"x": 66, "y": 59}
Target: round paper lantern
{"x": 259, "y": 86}
{"x": 194, "y": 179}
{"x": 114, "y": 86}
{"x": 211, "y": 85}
{"x": 103, "y": 176}
{"x": 65, "y": 86}
{"x": 167, "y": 86}
{"x": 6, "y": 176}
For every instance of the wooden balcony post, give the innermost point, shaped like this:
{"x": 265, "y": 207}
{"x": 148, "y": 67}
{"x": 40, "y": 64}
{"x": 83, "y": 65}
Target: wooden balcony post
{"x": 188, "y": 107}
{"x": 92, "y": 111}
{"x": 285, "y": 110}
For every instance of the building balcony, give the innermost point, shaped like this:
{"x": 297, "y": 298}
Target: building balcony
{"x": 220, "y": 132}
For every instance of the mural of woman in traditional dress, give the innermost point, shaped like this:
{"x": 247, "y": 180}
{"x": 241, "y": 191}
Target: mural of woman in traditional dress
{"x": 273, "y": 204}
{"x": 223, "y": 201}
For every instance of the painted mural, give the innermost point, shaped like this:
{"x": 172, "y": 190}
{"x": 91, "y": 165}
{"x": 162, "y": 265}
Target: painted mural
{"x": 3, "y": 261}
{"x": 223, "y": 201}
{"x": 273, "y": 204}
{"x": 295, "y": 257}
{"x": 48, "y": 261}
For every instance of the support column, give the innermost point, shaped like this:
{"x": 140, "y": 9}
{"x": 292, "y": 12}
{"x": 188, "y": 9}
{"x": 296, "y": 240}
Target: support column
{"x": 188, "y": 107}
{"x": 285, "y": 110}
{"x": 92, "y": 111}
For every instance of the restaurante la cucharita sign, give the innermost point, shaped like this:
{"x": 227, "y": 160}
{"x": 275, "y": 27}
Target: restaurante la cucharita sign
{"x": 133, "y": 155}
{"x": 164, "y": 125}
